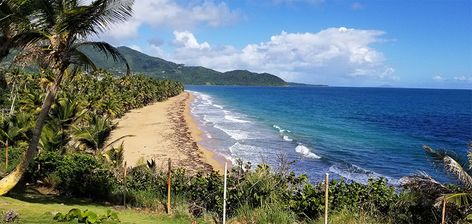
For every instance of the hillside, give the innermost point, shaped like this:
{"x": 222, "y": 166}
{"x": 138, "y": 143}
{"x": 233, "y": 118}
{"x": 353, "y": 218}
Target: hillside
{"x": 195, "y": 75}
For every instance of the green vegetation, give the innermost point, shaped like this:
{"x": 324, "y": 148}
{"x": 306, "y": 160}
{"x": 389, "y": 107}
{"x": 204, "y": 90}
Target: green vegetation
{"x": 194, "y": 75}
{"x": 87, "y": 216}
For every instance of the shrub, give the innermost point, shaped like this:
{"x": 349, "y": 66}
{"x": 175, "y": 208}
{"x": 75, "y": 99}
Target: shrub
{"x": 14, "y": 156}
{"x": 82, "y": 174}
{"x": 77, "y": 174}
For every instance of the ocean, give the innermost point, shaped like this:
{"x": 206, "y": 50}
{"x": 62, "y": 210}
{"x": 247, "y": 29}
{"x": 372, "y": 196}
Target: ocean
{"x": 354, "y": 133}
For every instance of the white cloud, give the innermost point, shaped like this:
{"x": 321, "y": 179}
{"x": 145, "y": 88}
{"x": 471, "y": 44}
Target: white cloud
{"x": 331, "y": 54}
{"x": 438, "y": 78}
{"x": 173, "y": 15}
{"x": 187, "y": 40}
{"x": 135, "y": 47}
{"x": 463, "y": 78}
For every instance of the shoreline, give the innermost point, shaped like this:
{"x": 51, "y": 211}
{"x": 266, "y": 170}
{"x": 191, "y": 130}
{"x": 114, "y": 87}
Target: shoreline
{"x": 210, "y": 157}
{"x": 164, "y": 130}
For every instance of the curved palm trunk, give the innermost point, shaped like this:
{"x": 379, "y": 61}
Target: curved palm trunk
{"x": 10, "y": 181}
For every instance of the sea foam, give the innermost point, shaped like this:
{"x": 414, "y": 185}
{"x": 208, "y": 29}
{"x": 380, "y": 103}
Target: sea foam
{"x": 306, "y": 152}
{"x": 235, "y": 134}
{"x": 288, "y": 139}
{"x": 359, "y": 174}
{"x": 235, "y": 119}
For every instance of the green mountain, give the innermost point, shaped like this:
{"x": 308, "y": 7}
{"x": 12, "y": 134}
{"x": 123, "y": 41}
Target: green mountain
{"x": 194, "y": 75}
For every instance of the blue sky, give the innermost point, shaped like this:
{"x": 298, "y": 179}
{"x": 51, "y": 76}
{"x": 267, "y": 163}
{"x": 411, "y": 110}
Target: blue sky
{"x": 420, "y": 43}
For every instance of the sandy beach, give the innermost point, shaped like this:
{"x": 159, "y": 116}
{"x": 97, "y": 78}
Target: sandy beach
{"x": 165, "y": 130}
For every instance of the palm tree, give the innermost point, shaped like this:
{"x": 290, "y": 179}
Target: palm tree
{"x": 94, "y": 135}
{"x": 67, "y": 24}
{"x": 463, "y": 174}
{"x": 53, "y": 139}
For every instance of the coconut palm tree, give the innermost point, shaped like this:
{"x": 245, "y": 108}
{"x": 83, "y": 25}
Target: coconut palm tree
{"x": 460, "y": 170}
{"x": 94, "y": 135}
{"x": 66, "y": 25}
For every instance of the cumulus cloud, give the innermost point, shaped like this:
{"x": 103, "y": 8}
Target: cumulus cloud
{"x": 331, "y": 54}
{"x": 438, "y": 78}
{"x": 173, "y": 15}
{"x": 187, "y": 40}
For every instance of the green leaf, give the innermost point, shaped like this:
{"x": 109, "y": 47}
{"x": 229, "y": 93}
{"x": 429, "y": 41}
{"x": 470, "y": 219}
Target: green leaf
{"x": 91, "y": 217}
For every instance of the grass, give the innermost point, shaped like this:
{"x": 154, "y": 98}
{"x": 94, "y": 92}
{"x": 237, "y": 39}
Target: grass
{"x": 349, "y": 217}
{"x": 40, "y": 209}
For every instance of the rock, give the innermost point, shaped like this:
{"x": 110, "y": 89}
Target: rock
{"x": 10, "y": 216}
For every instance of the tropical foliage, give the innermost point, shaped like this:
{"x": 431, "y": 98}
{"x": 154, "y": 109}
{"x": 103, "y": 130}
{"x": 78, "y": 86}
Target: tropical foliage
{"x": 50, "y": 33}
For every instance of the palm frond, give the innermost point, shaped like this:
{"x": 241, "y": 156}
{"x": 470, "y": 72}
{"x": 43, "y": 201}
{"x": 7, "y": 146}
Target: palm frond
{"x": 451, "y": 164}
{"x": 78, "y": 58}
{"x": 459, "y": 199}
{"x": 116, "y": 140}
{"x": 108, "y": 50}
{"x": 456, "y": 169}
{"x": 25, "y": 38}
{"x": 96, "y": 17}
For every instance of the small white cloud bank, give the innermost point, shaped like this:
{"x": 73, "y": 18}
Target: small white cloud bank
{"x": 333, "y": 55}
{"x": 175, "y": 15}
{"x": 463, "y": 78}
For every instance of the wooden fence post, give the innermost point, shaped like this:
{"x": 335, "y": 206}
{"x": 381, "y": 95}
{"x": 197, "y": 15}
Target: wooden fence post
{"x": 326, "y": 199}
{"x": 444, "y": 212}
{"x": 224, "y": 194}
{"x": 168, "y": 186}
{"x": 124, "y": 182}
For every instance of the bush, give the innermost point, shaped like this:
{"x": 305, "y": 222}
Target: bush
{"x": 14, "y": 157}
{"x": 76, "y": 174}
{"x": 81, "y": 174}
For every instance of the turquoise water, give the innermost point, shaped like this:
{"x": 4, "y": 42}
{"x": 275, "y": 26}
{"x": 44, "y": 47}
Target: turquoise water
{"x": 355, "y": 133}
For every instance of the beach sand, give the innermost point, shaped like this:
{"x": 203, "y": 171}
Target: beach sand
{"x": 165, "y": 130}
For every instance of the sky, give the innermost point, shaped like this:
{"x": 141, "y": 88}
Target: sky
{"x": 398, "y": 43}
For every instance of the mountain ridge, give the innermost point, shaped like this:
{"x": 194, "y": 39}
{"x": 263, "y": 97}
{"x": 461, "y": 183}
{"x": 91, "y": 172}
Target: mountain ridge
{"x": 191, "y": 75}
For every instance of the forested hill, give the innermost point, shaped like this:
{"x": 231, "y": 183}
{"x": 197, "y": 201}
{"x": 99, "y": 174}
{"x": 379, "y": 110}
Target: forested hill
{"x": 195, "y": 75}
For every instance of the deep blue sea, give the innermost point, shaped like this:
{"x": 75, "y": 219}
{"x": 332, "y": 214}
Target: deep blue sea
{"x": 355, "y": 133}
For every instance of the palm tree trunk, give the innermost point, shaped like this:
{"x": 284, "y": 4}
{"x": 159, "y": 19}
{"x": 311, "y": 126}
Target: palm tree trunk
{"x": 10, "y": 181}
